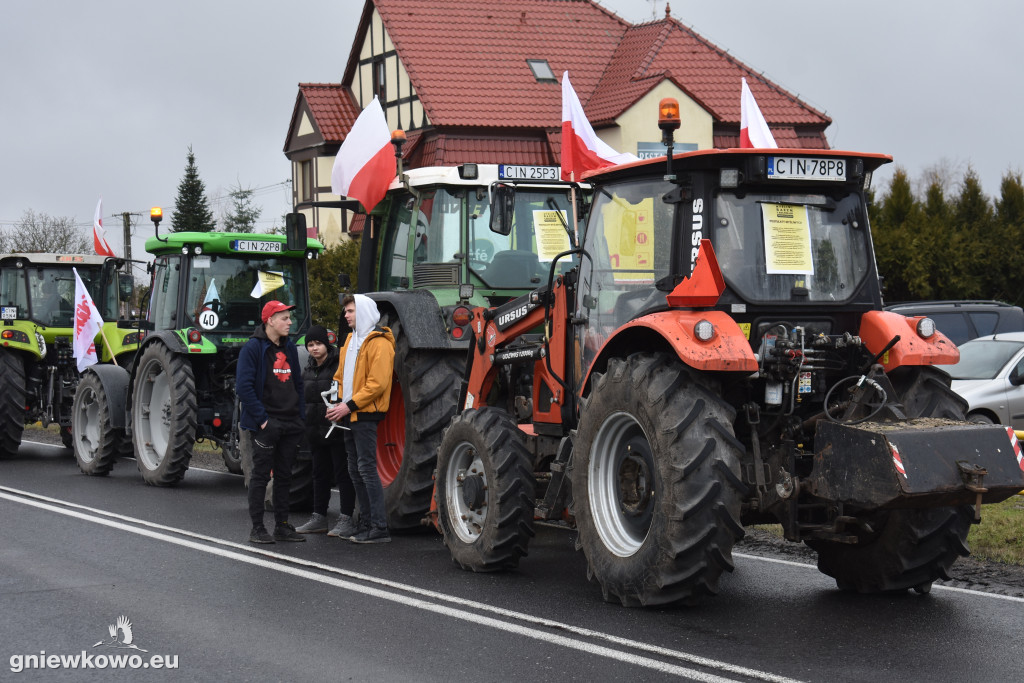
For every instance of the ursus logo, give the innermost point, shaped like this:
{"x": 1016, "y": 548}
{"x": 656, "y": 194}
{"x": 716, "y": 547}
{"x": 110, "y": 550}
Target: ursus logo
{"x": 282, "y": 370}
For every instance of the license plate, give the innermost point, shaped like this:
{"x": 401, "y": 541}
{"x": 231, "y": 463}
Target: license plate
{"x": 507, "y": 172}
{"x": 8, "y": 312}
{"x": 257, "y": 245}
{"x": 806, "y": 168}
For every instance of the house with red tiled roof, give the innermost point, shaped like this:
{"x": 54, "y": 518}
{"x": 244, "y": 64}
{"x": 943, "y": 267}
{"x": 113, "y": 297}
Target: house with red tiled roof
{"x": 480, "y": 82}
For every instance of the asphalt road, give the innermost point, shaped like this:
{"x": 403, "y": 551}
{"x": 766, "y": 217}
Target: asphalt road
{"x": 77, "y": 552}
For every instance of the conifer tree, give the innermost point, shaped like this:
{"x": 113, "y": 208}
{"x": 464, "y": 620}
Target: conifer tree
{"x": 243, "y": 214}
{"x": 191, "y": 208}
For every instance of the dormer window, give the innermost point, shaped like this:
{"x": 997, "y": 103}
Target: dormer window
{"x": 541, "y": 71}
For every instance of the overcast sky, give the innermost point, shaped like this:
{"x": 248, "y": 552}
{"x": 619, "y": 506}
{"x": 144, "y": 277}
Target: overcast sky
{"x": 104, "y": 98}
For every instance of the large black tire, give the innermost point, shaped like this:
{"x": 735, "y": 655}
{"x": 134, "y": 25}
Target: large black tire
{"x": 163, "y": 415}
{"x": 12, "y": 402}
{"x": 97, "y": 445}
{"x": 231, "y": 450}
{"x": 424, "y": 398}
{"x": 66, "y": 437}
{"x": 656, "y": 482}
{"x": 485, "y": 491}
{"x": 907, "y": 548}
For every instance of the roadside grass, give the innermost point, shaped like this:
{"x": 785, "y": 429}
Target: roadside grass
{"x": 999, "y": 537}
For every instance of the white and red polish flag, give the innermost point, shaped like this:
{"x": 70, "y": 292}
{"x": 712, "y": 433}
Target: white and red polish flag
{"x": 582, "y": 150}
{"x": 365, "y": 165}
{"x": 754, "y": 131}
{"x": 99, "y": 242}
{"x": 88, "y": 323}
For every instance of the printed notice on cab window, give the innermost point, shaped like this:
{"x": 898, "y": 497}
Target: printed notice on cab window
{"x": 552, "y": 238}
{"x": 787, "y": 240}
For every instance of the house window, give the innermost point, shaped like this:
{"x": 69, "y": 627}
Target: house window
{"x": 379, "y": 81}
{"x": 541, "y": 70}
{"x": 305, "y": 181}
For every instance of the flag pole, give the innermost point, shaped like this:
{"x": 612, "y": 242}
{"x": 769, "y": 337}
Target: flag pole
{"x": 110, "y": 349}
{"x": 575, "y": 218}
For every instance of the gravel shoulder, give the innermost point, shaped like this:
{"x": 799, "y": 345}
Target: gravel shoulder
{"x": 967, "y": 572}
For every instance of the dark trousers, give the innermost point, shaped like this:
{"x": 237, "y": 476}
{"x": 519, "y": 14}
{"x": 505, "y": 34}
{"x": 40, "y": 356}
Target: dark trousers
{"x": 361, "y": 443}
{"x": 330, "y": 468}
{"x": 273, "y": 449}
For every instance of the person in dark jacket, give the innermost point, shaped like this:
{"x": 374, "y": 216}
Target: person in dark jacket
{"x": 273, "y": 410}
{"x": 330, "y": 460}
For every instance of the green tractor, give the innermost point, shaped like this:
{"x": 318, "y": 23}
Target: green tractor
{"x": 207, "y": 291}
{"x": 38, "y": 374}
{"x": 429, "y": 259}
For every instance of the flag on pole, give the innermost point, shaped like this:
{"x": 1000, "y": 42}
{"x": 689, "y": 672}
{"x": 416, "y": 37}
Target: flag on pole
{"x": 365, "y": 165}
{"x": 99, "y": 242}
{"x": 582, "y": 150}
{"x": 88, "y": 323}
{"x": 754, "y": 131}
{"x": 211, "y": 292}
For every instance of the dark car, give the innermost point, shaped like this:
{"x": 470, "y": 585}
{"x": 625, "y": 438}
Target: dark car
{"x": 965, "y": 320}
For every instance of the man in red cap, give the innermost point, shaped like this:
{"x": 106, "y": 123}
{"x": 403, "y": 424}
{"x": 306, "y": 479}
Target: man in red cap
{"x": 268, "y": 382}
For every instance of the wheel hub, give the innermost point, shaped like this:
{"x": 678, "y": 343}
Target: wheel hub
{"x": 634, "y": 479}
{"x": 473, "y": 491}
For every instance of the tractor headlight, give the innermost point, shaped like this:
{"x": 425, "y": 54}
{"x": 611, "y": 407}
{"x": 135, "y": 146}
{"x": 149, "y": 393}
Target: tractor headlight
{"x": 926, "y": 328}
{"x": 704, "y": 330}
{"x": 42, "y": 344}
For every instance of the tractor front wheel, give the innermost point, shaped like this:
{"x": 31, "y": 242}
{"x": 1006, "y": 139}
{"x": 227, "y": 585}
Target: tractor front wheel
{"x": 96, "y": 444}
{"x": 656, "y": 482}
{"x": 906, "y": 548}
{"x": 163, "y": 415}
{"x": 485, "y": 491}
{"x": 12, "y": 402}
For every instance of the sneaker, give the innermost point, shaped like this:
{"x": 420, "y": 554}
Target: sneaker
{"x": 259, "y": 535}
{"x": 317, "y": 524}
{"x": 360, "y": 528}
{"x": 286, "y": 532}
{"x": 374, "y": 534}
{"x": 345, "y": 528}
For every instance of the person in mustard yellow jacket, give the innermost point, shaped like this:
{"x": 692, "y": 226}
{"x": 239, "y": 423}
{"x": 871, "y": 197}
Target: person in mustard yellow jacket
{"x": 364, "y": 375}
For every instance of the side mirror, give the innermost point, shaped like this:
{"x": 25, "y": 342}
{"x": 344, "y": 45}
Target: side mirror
{"x": 295, "y": 231}
{"x": 1016, "y": 377}
{"x": 125, "y": 287}
{"x": 503, "y": 206}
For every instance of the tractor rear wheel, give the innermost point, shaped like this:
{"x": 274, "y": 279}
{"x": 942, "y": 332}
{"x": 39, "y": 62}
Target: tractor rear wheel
{"x": 231, "y": 448}
{"x": 97, "y": 445}
{"x": 163, "y": 415}
{"x": 656, "y": 482}
{"x": 908, "y": 548}
{"x": 485, "y": 491}
{"x": 12, "y": 402}
{"x": 424, "y": 398}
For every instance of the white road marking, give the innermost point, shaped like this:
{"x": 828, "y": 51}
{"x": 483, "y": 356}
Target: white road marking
{"x": 154, "y": 531}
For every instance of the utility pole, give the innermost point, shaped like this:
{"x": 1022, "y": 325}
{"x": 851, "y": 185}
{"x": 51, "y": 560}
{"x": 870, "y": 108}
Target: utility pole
{"x": 126, "y": 217}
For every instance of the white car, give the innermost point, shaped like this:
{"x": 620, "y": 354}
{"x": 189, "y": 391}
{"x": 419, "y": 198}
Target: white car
{"x": 990, "y": 376}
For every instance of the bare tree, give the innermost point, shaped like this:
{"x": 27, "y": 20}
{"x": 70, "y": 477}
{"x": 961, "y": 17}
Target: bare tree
{"x": 44, "y": 233}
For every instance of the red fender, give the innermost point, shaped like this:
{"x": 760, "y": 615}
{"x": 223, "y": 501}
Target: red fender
{"x": 877, "y": 328}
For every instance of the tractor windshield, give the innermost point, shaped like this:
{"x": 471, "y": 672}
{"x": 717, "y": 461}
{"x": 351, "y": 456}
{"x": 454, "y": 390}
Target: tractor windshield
{"x": 519, "y": 260}
{"x": 227, "y": 293}
{"x": 51, "y": 290}
{"x": 791, "y": 247}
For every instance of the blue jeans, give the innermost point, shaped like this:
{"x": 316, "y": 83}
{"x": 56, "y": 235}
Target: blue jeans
{"x": 361, "y": 444}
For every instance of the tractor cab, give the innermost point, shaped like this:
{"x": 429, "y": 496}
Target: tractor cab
{"x": 788, "y": 229}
